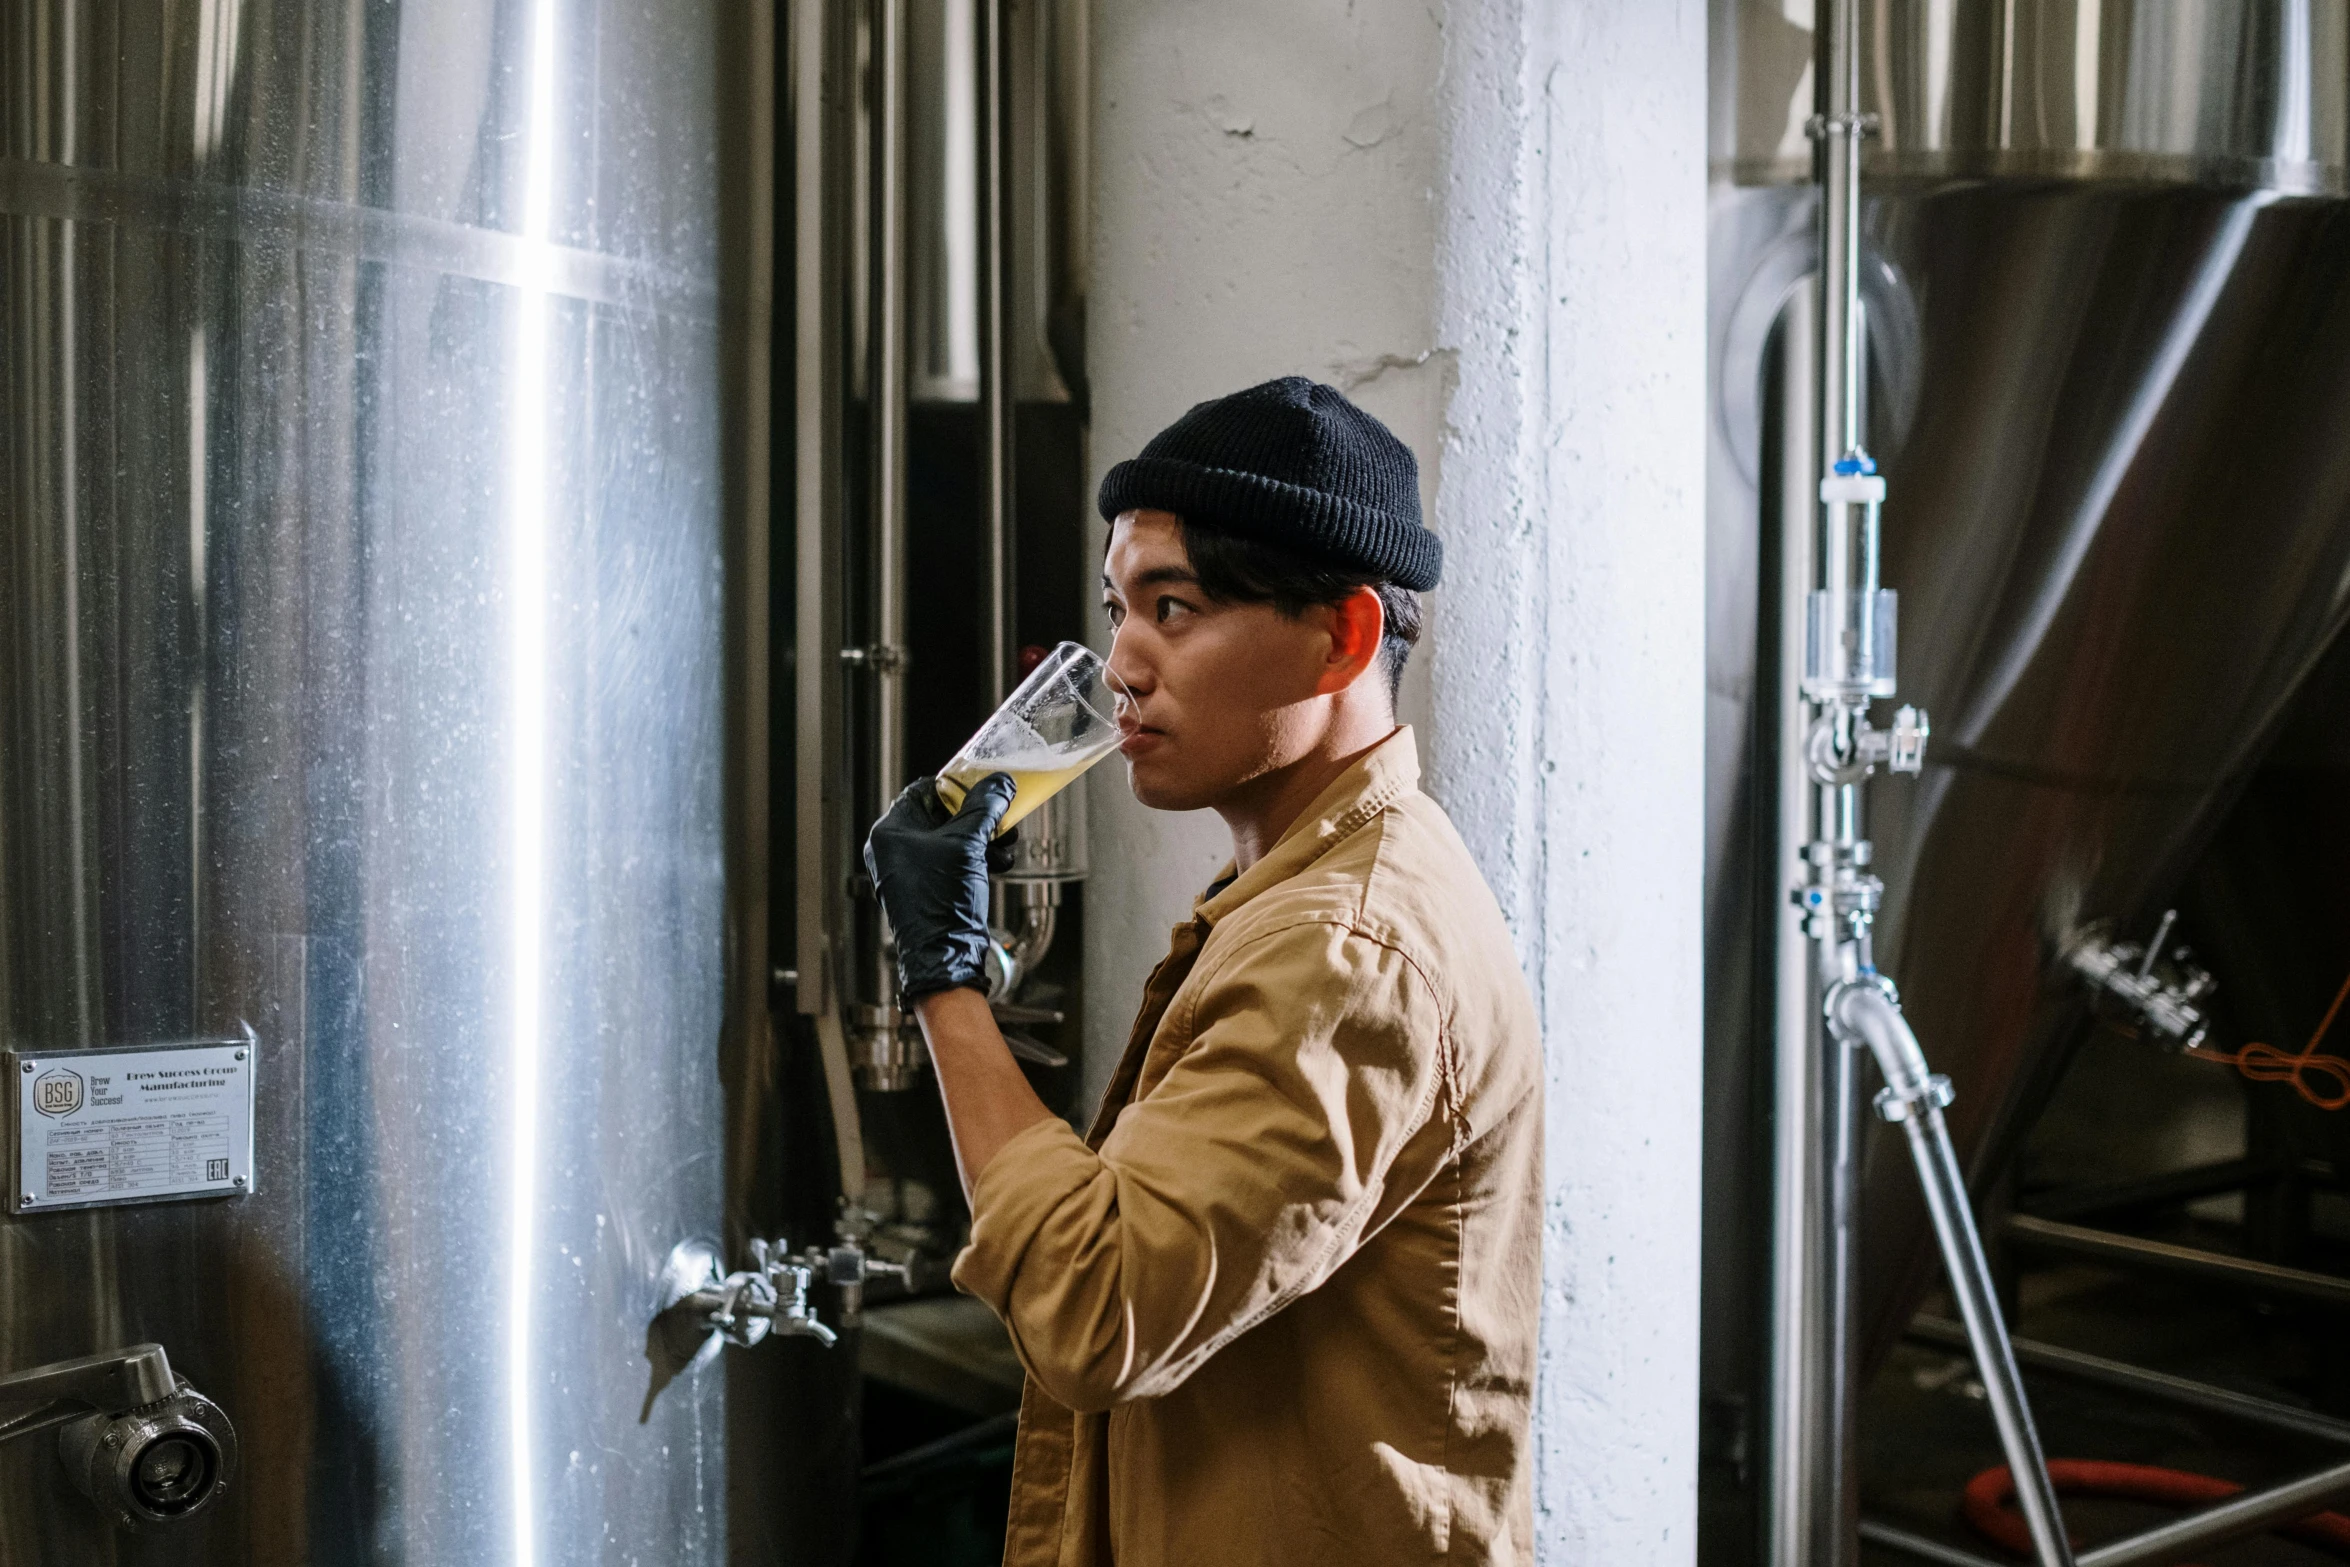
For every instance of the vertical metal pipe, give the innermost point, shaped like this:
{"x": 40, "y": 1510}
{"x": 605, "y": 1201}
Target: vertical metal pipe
{"x": 1844, "y": 162}
{"x": 884, "y": 1049}
{"x": 995, "y": 407}
{"x": 199, "y": 448}
{"x": 1837, "y": 73}
{"x": 1801, "y": 1437}
{"x": 749, "y": 255}
{"x": 882, "y": 1055}
{"x": 886, "y": 660}
{"x": 1841, "y": 371}
{"x": 816, "y": 396}
{"x": 59, "y": 132}
{"x": 823, "y": 161}
{"x": 77, "y": 799}
{"x": 1813, "y": 1511}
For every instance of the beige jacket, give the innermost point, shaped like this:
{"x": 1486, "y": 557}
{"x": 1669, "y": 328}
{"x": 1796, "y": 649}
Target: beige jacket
{"x": 1279, "y": 1307}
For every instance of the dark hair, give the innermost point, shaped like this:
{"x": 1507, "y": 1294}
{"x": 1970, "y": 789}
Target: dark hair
{"x": 1237, "y": 570}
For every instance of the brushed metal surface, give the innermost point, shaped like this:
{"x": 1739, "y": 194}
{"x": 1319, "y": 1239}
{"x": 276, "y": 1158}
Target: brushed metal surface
{"x": 2238, "y": 93}
{"x": 269, "y": 441}
{"x": 2131, "y": 535}
{"x": 2110, "y": 416}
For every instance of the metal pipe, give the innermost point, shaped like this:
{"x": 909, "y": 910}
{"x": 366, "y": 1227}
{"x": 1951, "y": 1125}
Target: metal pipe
{"x": 1841, "y": 1480}
{"x": 885, "y": 660}
{"x": 1863, "y": 1011}
{"x": 1810, "y": 1504}
{"x": 2097, "y": 1371}
{"x": 1802, "y": 1437}
{"x": 750, "y": 662}
{"x": 1814, "y": 1490}
{"x": 1024, "y": 940}
{"x": 1925, "y": 1550}
{"x": 1870, "y": 1017}
{"x": 2255, "y": 1512}
{"x": 1837, "y": 130}
{"x": 2134, "y": 1251}
{"x": 820, "y": 160}
{"x": 1840, "y": 323}
{"x": 2106, "y": 1198}
{"x": 816, "y": 425}
{"x": 1838, "y": 431}
{"x": 995, "y": 408}
{"x": 886, "y": 1052}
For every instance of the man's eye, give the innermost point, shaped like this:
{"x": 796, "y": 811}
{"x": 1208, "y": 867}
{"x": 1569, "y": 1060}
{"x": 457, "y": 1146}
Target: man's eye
{"x": 1169, "y": 608}
{"x": 1115, "y": 611}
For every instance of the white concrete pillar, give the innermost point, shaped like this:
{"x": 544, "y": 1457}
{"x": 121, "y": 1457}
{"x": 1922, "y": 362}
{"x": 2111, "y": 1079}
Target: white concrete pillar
{"x": 1569, "y": 734}
{"x": 1485, "y": 220}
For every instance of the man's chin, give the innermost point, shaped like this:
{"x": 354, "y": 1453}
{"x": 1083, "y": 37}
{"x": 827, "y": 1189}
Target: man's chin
{"x": 1155, "y": 789}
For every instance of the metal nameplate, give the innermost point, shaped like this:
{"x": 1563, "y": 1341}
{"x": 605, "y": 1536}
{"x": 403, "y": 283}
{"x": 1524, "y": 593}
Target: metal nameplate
{"x": 160, "y": 1123}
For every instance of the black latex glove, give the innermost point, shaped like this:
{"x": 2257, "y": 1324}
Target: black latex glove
{"x": 931, "y": 872}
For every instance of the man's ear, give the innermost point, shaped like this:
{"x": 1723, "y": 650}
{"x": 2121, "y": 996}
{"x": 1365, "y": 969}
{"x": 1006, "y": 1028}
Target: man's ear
{"x": 1357, "y": 622}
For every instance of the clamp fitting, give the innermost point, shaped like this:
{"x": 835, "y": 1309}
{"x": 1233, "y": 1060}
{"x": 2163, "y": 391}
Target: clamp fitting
{"x": 881, "y": 658}
{"x": 1845, "y": 124}
{"x": 1934, "y": 1093}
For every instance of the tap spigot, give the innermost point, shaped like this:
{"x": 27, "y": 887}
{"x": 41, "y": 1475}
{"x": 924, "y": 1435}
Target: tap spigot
{"x": 2169, "y": 1008}
{"x": 786, "y": 1296}
{"x": 704, "y": 1307}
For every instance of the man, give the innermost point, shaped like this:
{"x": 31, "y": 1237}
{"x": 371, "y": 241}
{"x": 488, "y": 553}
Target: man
{"x": 1279, "y": 1307}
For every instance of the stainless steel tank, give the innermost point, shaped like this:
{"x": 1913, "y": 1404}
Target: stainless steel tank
{"x": 360, "y": 678}
{"x": 2105, "y": 272}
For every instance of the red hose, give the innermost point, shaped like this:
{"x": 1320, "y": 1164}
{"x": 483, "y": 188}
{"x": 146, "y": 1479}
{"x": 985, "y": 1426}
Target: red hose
{"x": 1989, "y": 1502}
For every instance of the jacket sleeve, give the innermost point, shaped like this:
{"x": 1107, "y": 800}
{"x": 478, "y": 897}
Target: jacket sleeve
{"x": 1246, "y": 1177}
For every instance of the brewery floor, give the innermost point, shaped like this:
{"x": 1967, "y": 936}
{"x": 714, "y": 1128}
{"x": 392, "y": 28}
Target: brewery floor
{"x": 1925, "y": 1429}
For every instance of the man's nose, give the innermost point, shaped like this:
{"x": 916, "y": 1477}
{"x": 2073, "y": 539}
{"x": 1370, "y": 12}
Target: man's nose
{"x": 1129, "y": 671}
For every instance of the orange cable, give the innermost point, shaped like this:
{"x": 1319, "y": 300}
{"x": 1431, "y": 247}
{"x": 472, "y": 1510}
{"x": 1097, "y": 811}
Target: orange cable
{"x": 2267, "y": 1064}
{"x": 1988, "y": 1502}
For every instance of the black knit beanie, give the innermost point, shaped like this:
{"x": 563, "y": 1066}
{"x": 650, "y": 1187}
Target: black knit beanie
{"x": 1292, "y": 463}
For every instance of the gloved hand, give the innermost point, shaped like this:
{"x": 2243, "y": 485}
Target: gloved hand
{"x": 931, "y": 872}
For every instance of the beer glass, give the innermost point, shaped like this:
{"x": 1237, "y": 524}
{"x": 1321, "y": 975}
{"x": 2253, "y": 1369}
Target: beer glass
{"x": 1061, "y": 720}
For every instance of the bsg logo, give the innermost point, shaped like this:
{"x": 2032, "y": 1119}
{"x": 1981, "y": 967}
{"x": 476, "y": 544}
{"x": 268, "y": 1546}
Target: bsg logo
{"x": 57, "y": 1092}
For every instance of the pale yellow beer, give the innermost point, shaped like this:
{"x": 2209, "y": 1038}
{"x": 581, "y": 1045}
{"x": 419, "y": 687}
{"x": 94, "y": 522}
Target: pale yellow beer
{"x": 1035, "y": 779}
{"x": 1060, "y": 721}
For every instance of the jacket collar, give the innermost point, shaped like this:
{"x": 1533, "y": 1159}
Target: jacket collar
{"x": 1383, "y": 775}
